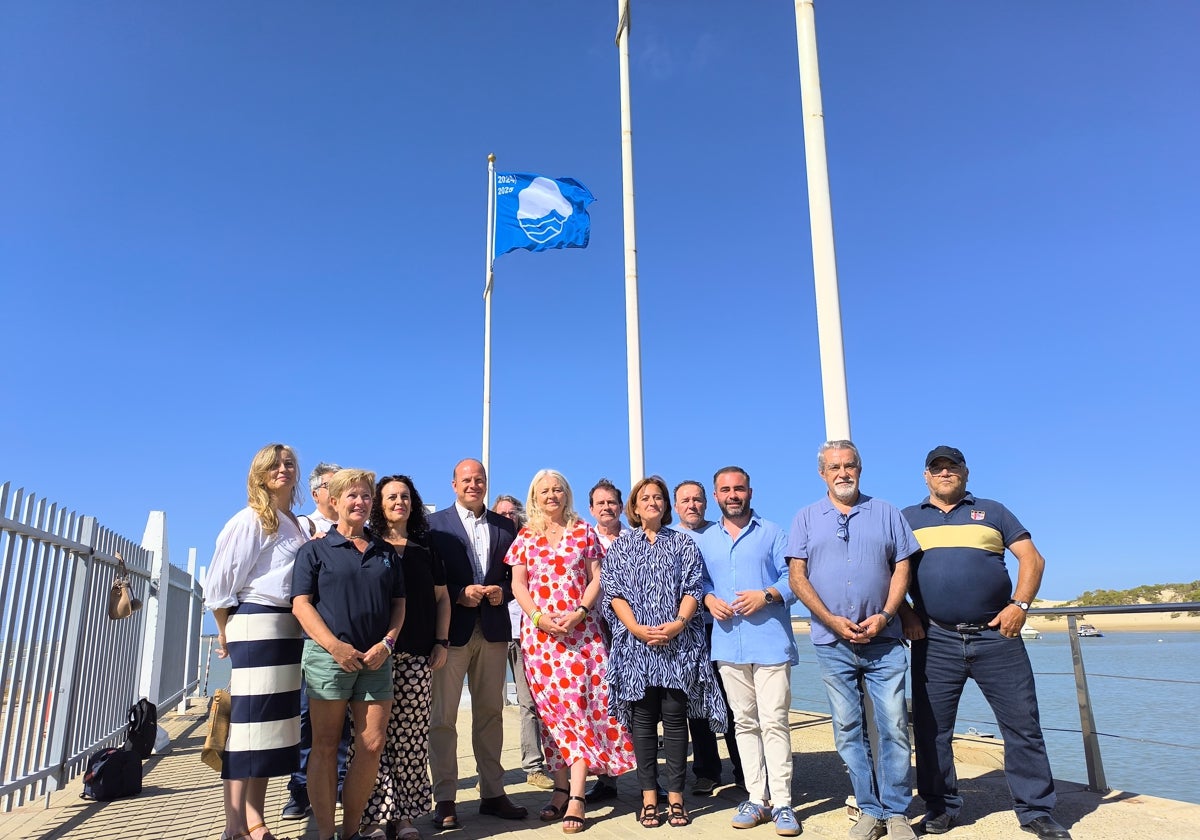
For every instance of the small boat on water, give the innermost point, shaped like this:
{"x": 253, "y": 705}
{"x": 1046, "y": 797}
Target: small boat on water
{"x": 1029, "y": 634}
{"x": 1088, "y": 631}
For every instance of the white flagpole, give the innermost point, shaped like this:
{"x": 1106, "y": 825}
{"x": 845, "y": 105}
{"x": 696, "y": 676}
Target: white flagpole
{"x": 633, "y": 352}
{"x": 487, "y": 318}
{"x": 829, "y": 312}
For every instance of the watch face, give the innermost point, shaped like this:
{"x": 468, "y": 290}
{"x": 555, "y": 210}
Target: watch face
{"x": 770, "y": 597}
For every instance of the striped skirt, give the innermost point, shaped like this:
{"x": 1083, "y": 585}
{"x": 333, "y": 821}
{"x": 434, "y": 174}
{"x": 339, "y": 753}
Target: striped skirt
{"x": 264, "y": 646}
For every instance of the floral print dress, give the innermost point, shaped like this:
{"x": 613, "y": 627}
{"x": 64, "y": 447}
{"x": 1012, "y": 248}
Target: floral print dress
{"x": 568, "y": 677}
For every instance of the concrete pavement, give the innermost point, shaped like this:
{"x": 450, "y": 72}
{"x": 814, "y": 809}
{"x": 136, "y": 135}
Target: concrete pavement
{"x": 181, "y": 800}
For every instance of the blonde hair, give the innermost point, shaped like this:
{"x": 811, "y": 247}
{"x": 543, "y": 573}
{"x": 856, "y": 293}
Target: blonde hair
{"x": 342, "y": 480}
{"x": 259, "y": 500}
{"x": 536, "y": 516}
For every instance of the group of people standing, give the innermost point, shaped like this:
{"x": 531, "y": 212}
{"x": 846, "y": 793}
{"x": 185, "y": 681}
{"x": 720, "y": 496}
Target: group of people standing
{"x": 380, "y": 613}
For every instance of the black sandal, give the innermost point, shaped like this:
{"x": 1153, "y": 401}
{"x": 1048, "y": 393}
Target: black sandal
{"x": 572, "y": 824}
{"x": 650, "y": 817}
{"x": 552, "y": 812}
{"x": 678, "y": 817}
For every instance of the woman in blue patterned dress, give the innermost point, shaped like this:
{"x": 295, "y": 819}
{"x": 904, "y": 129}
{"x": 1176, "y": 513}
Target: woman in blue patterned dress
{"x": 658, "y": 663}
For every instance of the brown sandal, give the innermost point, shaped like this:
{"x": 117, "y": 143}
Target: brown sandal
{"x": 650, "y": 817}
{"x": 678, "y": 817}
{"x": 553, "y": 812}
{"x": 572, "y": 824}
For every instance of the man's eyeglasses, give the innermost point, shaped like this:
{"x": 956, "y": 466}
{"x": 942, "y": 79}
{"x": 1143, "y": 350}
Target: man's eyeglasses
{"x": 843, "y": 531}
{"x": 324, "y": 485}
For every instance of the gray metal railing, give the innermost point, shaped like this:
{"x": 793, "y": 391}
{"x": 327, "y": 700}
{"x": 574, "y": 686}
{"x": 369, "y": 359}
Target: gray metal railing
{"x": 68, "y": 674}
{"x": 1087, "y": 720}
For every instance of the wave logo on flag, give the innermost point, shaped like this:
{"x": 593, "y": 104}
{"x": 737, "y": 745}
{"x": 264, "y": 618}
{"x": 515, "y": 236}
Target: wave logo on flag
{"x": 537, "y": 213}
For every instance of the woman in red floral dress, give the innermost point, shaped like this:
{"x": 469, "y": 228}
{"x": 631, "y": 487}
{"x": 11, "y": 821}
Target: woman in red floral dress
{"x": 556, "y": 580}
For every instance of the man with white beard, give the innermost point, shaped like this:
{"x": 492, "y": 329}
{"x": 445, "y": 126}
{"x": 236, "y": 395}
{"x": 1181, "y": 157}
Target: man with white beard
{"x": 848, "y": 561}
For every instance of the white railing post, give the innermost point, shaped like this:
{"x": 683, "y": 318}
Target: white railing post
{"x": 192, "y": 654}
{"x": 68, "y": 687}
{"x": 155, "y": 540}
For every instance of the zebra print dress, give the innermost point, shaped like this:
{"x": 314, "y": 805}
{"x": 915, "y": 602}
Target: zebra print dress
{"x": 653, "y": 578}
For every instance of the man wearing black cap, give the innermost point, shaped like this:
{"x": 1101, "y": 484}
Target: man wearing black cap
{"x": 966, "y": 622}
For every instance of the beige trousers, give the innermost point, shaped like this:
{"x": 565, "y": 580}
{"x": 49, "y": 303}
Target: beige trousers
{"x": 760, "y": 697}
{"x": 483, "y": 665}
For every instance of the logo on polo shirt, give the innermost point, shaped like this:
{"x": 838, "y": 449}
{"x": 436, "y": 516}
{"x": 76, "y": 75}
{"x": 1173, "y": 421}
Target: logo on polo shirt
{"x": 978, "y": 515}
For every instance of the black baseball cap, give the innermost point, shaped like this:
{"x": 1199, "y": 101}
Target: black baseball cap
{"x": 948, "y": 452}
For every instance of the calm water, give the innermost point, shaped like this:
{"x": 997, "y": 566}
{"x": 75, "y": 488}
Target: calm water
{"x": 1141, "y": 711}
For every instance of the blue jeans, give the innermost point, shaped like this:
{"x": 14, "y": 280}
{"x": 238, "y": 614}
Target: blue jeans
{"x": 941, "y": 663}
{"x": 885, "y": 789}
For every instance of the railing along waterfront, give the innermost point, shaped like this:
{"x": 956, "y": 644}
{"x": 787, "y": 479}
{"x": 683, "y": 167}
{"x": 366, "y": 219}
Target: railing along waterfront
{"x": 68, "y": 674}
{"x": 1093, "y": 760}
{"x": 1087, "y": 720}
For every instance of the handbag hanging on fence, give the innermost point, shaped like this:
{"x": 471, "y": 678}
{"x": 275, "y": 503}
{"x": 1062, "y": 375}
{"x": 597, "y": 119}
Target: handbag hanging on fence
{"x": 213, "y": 753}
{"x": 121, "y": 602}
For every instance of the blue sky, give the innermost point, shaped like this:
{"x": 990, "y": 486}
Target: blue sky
{"x": 224, "y": 224}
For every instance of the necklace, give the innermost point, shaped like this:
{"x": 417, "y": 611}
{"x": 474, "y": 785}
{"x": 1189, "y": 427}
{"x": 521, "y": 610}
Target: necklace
{"x": 352, "y": 537}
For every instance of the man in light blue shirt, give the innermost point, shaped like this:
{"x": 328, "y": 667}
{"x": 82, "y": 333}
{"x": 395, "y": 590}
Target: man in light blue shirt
{"x": 849, "y": 565}
{"x": 746, "y": 590}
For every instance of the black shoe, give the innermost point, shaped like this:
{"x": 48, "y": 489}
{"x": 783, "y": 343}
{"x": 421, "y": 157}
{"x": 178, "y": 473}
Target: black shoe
{"x": 1047, "y": 829}
{"x": 445, "y": 817}
{"x": 295, "y": 809}
{"x": 600, "y": 792}
{"x": 703, "y": 786}
{"x": 936, "y": 824}
{"x": 503, "y": 807}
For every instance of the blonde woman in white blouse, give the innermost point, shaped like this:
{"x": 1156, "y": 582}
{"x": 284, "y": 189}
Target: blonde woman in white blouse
{"x": 248, "y": 589}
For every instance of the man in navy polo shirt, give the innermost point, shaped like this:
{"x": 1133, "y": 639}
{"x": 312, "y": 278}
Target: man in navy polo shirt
{"x": 848, "y": 562}
{"x": 966, "y": 622}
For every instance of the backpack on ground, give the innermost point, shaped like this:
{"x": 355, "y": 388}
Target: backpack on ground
{"x": 143, "y": 728}
{"x": 112, "y": 773}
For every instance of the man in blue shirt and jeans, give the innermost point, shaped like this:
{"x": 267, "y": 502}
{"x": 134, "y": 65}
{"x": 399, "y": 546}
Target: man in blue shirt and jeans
{"x": 848, "y": 556}
{"x": 745, "y": 589}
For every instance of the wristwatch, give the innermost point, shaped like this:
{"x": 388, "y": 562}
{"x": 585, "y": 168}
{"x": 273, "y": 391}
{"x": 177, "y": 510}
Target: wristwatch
{"x": 770, "y": 598}
{"x": 1022, "y": 604}
{"x": 443, "y": 642}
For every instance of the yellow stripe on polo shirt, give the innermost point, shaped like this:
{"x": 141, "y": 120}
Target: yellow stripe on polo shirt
{"x": 982, "y": 537}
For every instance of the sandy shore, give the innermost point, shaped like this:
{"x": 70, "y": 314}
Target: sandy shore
{"x": 1143, "y": 623}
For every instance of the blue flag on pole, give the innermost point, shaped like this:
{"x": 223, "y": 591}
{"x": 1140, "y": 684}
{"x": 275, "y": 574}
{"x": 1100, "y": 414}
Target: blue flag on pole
{"x": 538, "y": 214}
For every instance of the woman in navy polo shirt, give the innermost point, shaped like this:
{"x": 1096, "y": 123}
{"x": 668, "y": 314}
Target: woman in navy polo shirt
{"x": 348, "y": 594}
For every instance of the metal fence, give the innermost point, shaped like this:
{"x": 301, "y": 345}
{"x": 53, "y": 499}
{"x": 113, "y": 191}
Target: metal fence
{"x": 68, "y": 674}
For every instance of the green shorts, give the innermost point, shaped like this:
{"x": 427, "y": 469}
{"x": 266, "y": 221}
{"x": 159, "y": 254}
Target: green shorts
{"x": 327, "y": 681}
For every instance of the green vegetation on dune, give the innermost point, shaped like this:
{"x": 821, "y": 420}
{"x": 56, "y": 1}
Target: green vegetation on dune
{"x": 1155, "y": 593}
{"x": 1151, "y": 594}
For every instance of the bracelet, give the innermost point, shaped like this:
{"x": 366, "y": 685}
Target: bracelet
{"x": 389, "y": 643}
{"x": 585, "y": 610}
{"x": 535, "y": 618}
{"x": 680, "y": 617}
{"x": 887, "y": 616}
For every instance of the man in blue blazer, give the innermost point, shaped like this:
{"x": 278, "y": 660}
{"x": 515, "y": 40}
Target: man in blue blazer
{"x": 471, "y": 542}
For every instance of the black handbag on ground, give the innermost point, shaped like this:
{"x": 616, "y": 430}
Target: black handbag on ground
{"x": 143, "y": 728}
{"x": 112, "y": 773}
